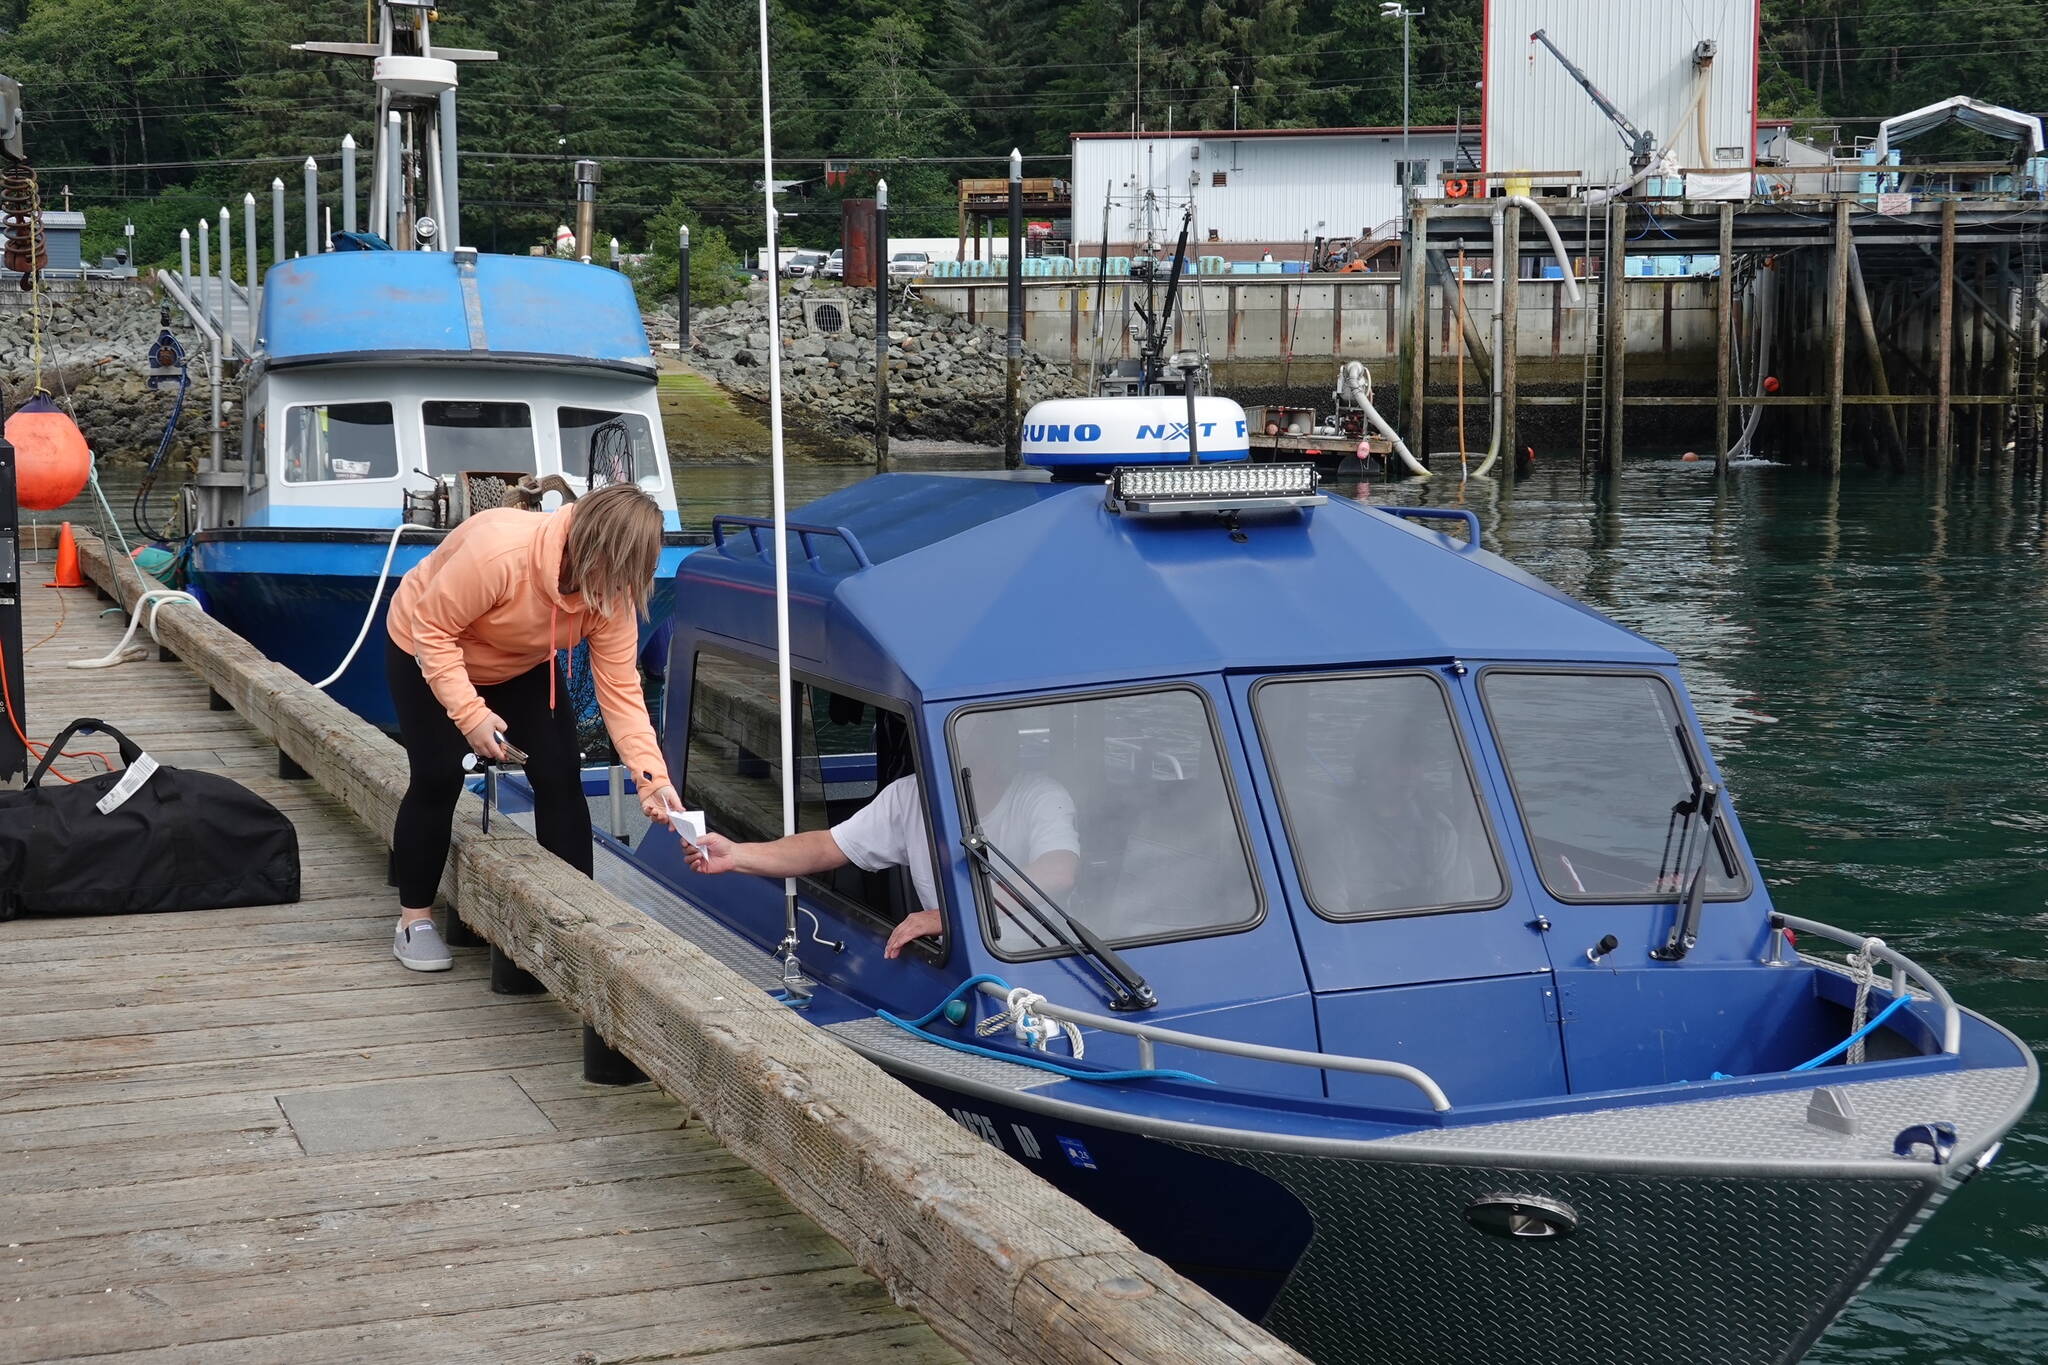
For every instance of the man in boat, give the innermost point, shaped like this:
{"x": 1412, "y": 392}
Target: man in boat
{"x": 1032, "y": 821}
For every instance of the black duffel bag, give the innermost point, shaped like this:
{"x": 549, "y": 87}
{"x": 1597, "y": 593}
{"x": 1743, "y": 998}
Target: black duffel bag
{"x": 149, "y": 837}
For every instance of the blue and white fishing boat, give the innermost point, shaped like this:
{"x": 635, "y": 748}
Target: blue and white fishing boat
{"x": 387, "y": 393}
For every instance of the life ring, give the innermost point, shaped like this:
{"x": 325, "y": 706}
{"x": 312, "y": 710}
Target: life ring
{"x": 1457, "y": 189}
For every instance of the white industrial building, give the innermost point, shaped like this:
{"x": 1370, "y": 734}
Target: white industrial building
{"x": 1647, "y": 56}
{"x": 1254, "y": 191}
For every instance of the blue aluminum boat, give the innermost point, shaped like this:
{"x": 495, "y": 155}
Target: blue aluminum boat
{"x": 384, "y": 388}
{"x": 1430, "y": 1005}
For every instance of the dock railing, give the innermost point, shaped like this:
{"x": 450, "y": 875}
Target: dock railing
{"x": 1003, "y": 1266}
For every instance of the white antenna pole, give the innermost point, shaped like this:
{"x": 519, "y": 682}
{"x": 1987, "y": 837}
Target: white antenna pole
{"x": 796, "y": 987}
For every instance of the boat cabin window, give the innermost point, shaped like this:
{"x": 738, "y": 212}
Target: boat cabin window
{"x": 848, "y": 752}
{"x": 1117, "y": 806}
{"x": 1608, "y": 782}
{"x": 605, "y": 447}
{"x": 489, "y": 437}
{"x": 1378, "y": 795}
{"x": 329, "y": 442}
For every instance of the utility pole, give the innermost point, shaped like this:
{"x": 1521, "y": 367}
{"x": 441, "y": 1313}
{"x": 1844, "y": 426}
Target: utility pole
{"x": 683, "y": 289}
{"x": 881, "y": 326}
{"x": 1233, "y": 108}
{"x": 1013, "y": 347}
{"x": 1394, "y": 9}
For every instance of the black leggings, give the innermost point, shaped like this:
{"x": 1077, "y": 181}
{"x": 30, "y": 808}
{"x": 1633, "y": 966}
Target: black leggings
{"x": 434, "y": 749}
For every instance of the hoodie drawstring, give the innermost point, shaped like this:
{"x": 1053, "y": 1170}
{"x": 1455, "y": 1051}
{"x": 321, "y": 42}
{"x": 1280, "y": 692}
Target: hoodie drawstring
{"x": 551, "y": 657}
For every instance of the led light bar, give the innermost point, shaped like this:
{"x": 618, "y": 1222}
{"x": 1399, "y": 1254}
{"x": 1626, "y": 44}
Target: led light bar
{"x": 1145, "y": 489}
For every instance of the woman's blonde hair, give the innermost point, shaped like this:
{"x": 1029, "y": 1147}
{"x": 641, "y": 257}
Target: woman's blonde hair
{"x": 614, "y": 548}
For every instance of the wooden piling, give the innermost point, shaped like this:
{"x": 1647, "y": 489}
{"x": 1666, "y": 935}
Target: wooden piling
{"x": 1837, "y": 331}
{"x": 1507, "y": 274}
{"x": 1415, "y": 336}
{"x": 1614, "y": 300}
{"x": 1724, "y": 336}
{"x": 1944, "y": 336}
{"x": 1880, "y": 382}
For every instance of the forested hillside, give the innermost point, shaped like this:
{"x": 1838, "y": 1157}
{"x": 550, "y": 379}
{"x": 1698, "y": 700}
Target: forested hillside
{"x": 142, "y": 106}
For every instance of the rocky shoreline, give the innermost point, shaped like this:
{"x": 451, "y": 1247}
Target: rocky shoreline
{"x": 946, "y": 375}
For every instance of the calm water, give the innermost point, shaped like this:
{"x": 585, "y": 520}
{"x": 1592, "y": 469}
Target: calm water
{"x": 1868, "y": 657}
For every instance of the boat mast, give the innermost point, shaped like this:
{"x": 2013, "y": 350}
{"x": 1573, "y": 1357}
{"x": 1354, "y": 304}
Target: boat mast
{"x": 415, "y": 198}
{"x": 796, "y": 987}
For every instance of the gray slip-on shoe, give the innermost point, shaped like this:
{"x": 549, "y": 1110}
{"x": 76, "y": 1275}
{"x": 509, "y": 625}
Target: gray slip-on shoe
{"x": 419, "y": 947}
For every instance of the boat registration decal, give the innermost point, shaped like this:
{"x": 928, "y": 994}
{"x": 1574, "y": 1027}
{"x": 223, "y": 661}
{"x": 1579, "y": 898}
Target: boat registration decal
{"x": 1077, "y": 1153}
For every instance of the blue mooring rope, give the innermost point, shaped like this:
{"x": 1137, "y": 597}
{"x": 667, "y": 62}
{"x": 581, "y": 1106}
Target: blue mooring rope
{"x": 1864, "y": 1032}
{"x": 1072, "y": 1073}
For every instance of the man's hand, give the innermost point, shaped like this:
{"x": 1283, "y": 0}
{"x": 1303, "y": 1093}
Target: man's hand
{"x": 483, "y": 737}
{"x": 712, "y": 855}
{"x": 919, "y": 925}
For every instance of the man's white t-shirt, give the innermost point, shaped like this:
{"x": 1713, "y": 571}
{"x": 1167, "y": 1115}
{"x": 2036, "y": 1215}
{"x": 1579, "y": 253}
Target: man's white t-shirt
{"x": 1034, "y": 817}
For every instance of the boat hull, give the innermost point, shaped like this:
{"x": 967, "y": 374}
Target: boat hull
{"x": 299, "y": 596}
{"x": 1368, "y": 1262}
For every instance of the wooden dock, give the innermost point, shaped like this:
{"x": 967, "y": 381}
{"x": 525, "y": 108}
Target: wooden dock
{"x": 248, "y": 1135}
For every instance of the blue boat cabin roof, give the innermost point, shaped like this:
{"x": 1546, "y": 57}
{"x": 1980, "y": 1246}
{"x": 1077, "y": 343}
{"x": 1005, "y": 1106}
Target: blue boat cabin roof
{"x": 984, "y": 586}
{"x": 357, "y": 304}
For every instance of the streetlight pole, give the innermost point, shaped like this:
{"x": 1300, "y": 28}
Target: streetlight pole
{"x": 1394, "y": 9}
{"x": 1233, "y": 108}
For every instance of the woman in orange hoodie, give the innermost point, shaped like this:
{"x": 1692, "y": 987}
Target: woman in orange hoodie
{"x": 471, "y": 663}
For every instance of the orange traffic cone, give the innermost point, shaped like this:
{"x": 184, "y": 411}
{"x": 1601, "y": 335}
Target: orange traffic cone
{"x": 68, "y": 575}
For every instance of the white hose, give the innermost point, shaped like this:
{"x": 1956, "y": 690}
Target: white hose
{"x": 156, "y": 599}
{"x": 1508, "y": 280}
{"x": 1415, "y": 466}
{"x": 376, "y": 596}
{"x": 1766, "y": 279}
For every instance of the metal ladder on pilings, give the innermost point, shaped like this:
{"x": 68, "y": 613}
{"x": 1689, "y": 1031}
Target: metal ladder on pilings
{"x": 2025, "y": 423}
{"x": 1593, "y": 373}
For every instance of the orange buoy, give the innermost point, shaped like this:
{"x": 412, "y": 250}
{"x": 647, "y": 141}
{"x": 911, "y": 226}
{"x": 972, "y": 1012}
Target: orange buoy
{"x": 1690, "y": 456}
{"x": 51, "y": 461}
{"x": 1770, "y": 383}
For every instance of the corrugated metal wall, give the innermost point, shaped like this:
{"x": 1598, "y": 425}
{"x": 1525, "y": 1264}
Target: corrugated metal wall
{"x": 1640, "y": 54}
{"x": 1276, "y": 191}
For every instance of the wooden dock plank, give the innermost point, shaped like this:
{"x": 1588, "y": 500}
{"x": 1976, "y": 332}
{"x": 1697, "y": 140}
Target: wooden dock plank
{"x": 160, "y": 1206}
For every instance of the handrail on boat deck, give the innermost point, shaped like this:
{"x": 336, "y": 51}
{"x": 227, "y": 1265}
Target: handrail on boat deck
{"x": 1148, "y": 1035}
{"x": 1466, "y": 515}
{"x": 802, "y": 530}
{"x": 1906, "y": 967}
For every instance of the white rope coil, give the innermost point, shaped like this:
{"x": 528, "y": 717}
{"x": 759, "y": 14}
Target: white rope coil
{"x": 1863, "y": 962}
{"x": 156, "y": 599}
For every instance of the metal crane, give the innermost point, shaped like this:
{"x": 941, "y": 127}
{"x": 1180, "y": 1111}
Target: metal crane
{"x": 1641, "y": 146}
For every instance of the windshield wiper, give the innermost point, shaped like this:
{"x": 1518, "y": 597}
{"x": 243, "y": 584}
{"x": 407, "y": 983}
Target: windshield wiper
{"x": 1127, "y": 989}
{"x": 1685, "y": 930}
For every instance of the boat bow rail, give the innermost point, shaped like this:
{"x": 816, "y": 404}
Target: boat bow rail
{"x": 1150, "y": 1036}
{"x": 1905, "y": 970}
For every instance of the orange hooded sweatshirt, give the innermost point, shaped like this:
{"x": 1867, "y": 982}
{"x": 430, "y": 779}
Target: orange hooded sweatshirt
{"x": 487, "y": 605}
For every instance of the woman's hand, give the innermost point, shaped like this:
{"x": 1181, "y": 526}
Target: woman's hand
{"x": 712, "y": 854}
{"x": 657, "y": 802}
{"x": 483, "y": 737}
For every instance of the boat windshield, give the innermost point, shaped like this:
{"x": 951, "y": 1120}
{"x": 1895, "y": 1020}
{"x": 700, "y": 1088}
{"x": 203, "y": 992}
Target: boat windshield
{"x": 495, "y": 438}
{"x": 1608, "y": 785}
{"x": 1115, "y": 806}
{"x": 1378, "y": 796}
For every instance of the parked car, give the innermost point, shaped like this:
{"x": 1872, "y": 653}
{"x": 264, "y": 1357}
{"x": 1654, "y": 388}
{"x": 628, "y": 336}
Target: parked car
{"x": 802, "y": 263}
{"x": 908, "y": 265}
{"x": 835, "y": 265}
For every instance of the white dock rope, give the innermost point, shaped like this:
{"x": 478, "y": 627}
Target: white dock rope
{"x": 1863, "y": 962}
{"x": 376, "y": 596}
{"x": 1036, "y": 1030}
{"x": 156, "y": 599}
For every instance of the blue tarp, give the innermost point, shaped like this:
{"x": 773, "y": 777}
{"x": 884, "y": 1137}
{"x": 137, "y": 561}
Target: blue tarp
{"x": 344, "y": 302}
